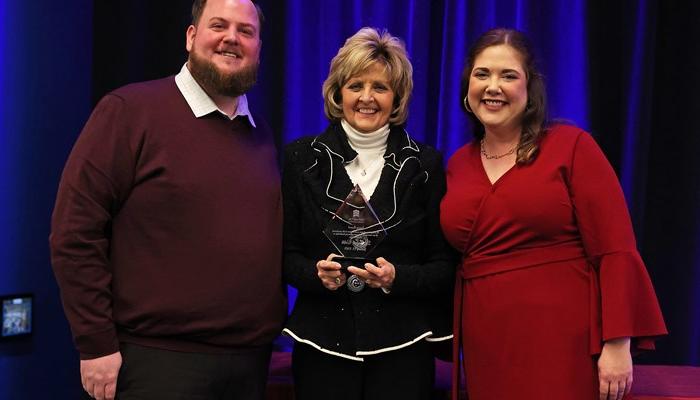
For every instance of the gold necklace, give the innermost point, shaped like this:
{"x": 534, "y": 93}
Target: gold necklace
{"x": 495, "y": 156}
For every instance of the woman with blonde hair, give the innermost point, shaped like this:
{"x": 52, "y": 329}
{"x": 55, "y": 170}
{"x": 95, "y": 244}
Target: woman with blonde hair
{"x": 360, "y": 330}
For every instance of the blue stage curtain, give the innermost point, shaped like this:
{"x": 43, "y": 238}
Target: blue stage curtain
{"x": 437, "y": 35}
{"x": 45, "y": 83}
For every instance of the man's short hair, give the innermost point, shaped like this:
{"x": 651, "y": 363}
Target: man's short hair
{"x": 198, "y": 8}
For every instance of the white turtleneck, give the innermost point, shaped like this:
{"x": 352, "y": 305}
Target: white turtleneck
{"x": 366, "y": 168}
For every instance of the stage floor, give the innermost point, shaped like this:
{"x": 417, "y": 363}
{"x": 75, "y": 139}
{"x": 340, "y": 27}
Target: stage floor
{"x": 651, "y": 382}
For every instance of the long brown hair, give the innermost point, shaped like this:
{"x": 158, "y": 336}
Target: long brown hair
{"x": 534, "y": 117}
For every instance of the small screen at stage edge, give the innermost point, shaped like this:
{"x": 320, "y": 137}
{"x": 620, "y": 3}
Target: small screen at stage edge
{"x": 16, "y": 315}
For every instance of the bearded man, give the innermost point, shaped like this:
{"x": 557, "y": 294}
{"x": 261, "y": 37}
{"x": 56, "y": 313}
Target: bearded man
{"x": 166, "y": 234}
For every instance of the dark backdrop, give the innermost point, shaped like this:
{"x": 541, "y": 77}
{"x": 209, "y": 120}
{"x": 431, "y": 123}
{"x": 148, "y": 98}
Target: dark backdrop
{"x": 626, "y": 71}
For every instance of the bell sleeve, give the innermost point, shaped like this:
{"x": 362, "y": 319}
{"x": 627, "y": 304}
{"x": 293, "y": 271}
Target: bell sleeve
{"x": 628, "y": 306}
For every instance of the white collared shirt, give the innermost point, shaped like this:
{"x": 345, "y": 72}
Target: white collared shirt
{"x": 200, "y": 102}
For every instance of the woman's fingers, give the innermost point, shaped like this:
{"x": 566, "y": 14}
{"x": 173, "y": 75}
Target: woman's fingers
{"x": 329, "y": 273}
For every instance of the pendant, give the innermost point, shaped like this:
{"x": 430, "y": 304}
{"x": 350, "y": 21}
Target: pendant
{"x": 364, "y": 172}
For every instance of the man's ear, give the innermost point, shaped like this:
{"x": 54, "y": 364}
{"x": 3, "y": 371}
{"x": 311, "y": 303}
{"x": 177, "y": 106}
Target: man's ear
{"x": 189, "y": 37}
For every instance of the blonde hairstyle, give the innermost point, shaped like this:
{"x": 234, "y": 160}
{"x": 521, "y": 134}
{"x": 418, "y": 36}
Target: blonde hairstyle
{"x": 360, "y": 51}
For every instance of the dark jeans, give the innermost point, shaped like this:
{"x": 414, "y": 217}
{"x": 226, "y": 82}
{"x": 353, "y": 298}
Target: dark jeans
{"x": 149, "y": 373}
{"x": 405, "y": 374}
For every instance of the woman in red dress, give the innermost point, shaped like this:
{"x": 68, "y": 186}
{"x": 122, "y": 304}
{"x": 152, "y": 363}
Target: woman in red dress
{"x": 552, "y": 295}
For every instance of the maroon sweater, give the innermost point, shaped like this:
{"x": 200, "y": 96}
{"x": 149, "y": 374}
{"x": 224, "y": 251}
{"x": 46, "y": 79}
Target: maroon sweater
{"x": 167, "y": 228}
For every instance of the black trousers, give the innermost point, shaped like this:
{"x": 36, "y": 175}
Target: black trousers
{"x": 405, "y": 374}
{"x": 148, "y": 373}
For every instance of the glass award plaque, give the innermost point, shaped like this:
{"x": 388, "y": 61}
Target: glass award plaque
{"x": 354, "y": 230}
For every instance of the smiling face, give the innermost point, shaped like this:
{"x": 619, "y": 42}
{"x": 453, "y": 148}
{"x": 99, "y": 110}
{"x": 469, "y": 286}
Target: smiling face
{"x": 368, "y": 99}
{"x": 498, "y": 88}
{"x": 224, "y": 47}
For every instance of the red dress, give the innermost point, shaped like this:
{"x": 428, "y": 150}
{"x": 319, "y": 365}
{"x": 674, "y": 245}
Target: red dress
{"x": 550, "y": 270}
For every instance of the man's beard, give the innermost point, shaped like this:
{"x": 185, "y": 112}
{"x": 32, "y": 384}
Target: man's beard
{"x": 215, "y": 82}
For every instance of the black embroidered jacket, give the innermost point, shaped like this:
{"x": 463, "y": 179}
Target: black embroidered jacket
{"x": 406, "y": 200}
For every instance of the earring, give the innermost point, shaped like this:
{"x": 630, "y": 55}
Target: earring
{"x": 466, "y": 106}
